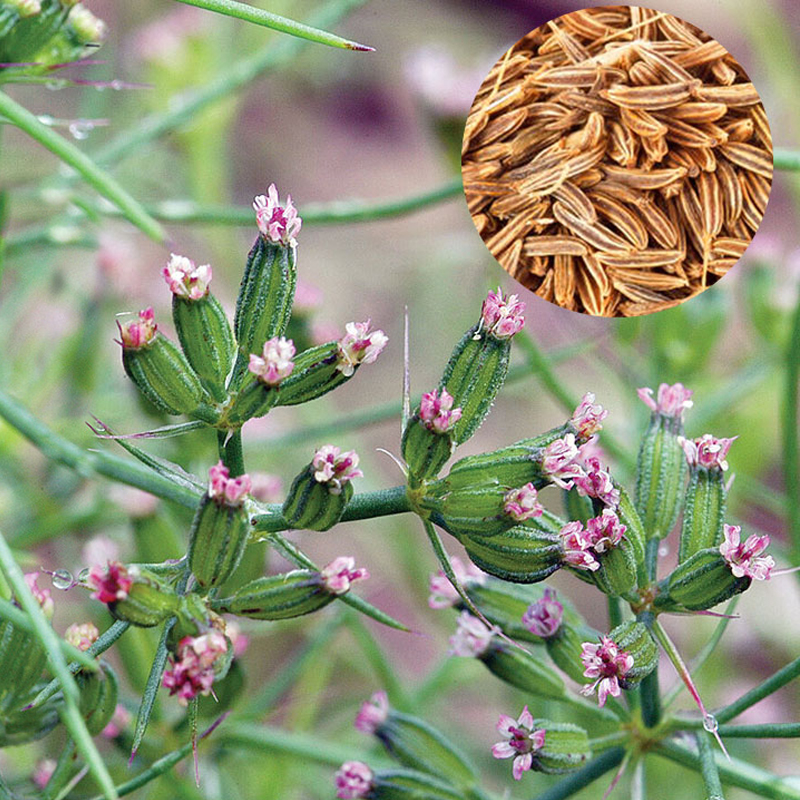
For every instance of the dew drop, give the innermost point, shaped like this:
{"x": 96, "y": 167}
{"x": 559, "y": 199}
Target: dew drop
{"x": 55, "y": 85}
{"x": 663, "y": 551}
{"x": 46, "y": 119}
{"x": 710, "y": 723}
{"x": 62, "y": 579}
{"x": 83, "y": 575}
{"x": 80, "y": 129}
{"x": 116, "y": 85}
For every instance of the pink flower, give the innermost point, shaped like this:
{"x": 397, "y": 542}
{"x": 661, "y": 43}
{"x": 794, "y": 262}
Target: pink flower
{"x": 523, "y": 503}
{"x": 671, "y": 401}
{"x": 745, "y": 560}
{"x": 577, "y": 547}
{"x": 591, "y": 449}
{"x": 277, "y": 362}
{"x": 340, "y": 573}
{"x": 373, "y": 713}
{"x": 101, "y": 549}
{"x": 359, "y": 345}
{"x": 543, "y": 618}
{"x": 120, "y": 720}
{"x": 707, "y": 451}
{"x": 42, "y": 596}
{"x": 138, "y": 333}
{"x": 335, "y": 468}
{"x": 596, "y": 482}
{"x": 560, "y": 461}
{"x": 437, "y": 412}
{"x": 192, "y": 671}
{"x": 353, "y": 780}
{"x": 82, "y": 635}
{"x": 502, "y": 316}
{"x": 607, "y": 663}
{"x": 277, "y": 223}
{"x": 224, "y": 489}
{"x": 472, "y": 637}
{"x": 185, "y": 278}
{"x": 523, "y": 741}
{"x": 588, "y": 417}
{"x": 605, "y": 531}
{"x": 111, "y": 584}
{"x": 43, "y": 771}
{"x": 442, "y": 593}
{"x": 239, "y": 642}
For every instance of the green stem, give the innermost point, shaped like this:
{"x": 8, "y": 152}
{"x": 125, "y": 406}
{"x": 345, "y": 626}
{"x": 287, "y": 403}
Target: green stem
{"x": 260, "y": 17}
{"x": 649, "y": 689}
{"x": 230, "y": 451}
{"x": 614, "y": 611}
{"x": 96, "y": 177}
{"x": 786, "y": 159}
{"x": 770, "y": 685}
{"x": 651, "y": 558}
{"x": 601, "y": 743}
{"x": 733, "y": 772}
{"x": 708, "y": 767}
{"x": 791, "y": 438}
{"x": 765, "y": 730}
{"x": 61, "y": 774}
{"x": 584, "y": 776}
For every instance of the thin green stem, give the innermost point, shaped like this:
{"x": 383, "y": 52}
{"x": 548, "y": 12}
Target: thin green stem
{"x": 231, "y": 453}
{"x": 95, "y": 176}
{"x": 595, "y": 769}
{"x": 258, "y": 16}
{"x": 765, "y": 730}
{"x": 61, "y": 774}
{"x": 614, "y": 611}
{"x": 786, "y": 159}
{"x": 708, "y": 767}
{"x": 649, "y": 692}
{"x": 790, "y": 436}
{"x": 601, "y": 743}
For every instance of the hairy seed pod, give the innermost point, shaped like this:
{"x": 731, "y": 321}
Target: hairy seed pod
{"x": 274, "y": 597}
{"x": 566, "y": 645}
{"x": 312, "y": 505}
{"x": 148, "y": 603}
{"x": 522, "y": 669}
{"x": 703, "y": 511}
{"x": 22, "y": 661}
{"x": 701, "y": 581}
{"x": 315, "y": 373}
{"x": 635, "y": 639}
{"x": 566, "y": 747}
{"x": 425, "y": 451}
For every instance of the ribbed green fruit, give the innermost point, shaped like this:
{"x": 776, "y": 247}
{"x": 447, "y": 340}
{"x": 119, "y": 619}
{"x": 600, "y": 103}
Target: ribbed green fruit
{"x": 425, "y": 451}
{"x": 519, "y": 668}
{"x": 703, "y": 512}
{"x": 635, "y": 639}
{"x": 149, "y": 602}
{"x": 566, "y": 646}
{"x": 314, "y": 375}
{"x": 98, "y": 697}
{"x": 311, "y": 505}
{"x": 278, "y": 596}
{"x": 702, "y": 581}
{"x": 22, "y": 661}
{"x": 566, "y": 748}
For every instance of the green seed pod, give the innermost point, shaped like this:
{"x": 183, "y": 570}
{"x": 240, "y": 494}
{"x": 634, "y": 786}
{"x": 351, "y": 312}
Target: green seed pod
{"x": 424, "y": 450}
{"x": 475, "y": 511}
{"x": 255, "y": 400}
{"x": 634, "y": 533}
{"x": 514, "y": 465}
{"x": 617, "y": 574}
{"x": 578, "y": 507}
{"x": 526, "y": 553}
{"x": 299, "y": 592}
{"x": 192, "y": 618}
{"x": 701, "y": 581}
{"x": 521, "y": 669}
{"x": 406, "y": 784}
{"x": 315, "y": 505}
{"x": 217, "y": 541}
{"x": 265, "y": 300}
{"x": 703, "y": 512}
{"x": 566, "y": 747}
{"x": 206, "y": 339}
{"x": 660, "y": 475}
{"x": 98, "y": 697}
{"x": 566, "y": 646}
{"x": 22, "y": 661}
{"x": 635, "y": 639}
{"x": 504, "y": 604}
{"x": 315, "y": 373}
{"x": 149, "y": 602}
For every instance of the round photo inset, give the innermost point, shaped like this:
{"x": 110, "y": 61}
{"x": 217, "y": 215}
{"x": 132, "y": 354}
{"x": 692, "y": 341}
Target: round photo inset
{"x": 617, "y": 161}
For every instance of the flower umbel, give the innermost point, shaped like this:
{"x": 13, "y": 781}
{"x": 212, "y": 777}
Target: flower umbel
{"x": 224, "y": 489}
{"x": 606, "y": 663}
{"x": 578, "y": 547}
{"x": 276, "y": 363}
{"x": 341, "y": 573}
{"x": 745, "y": 559}
{"x": 588, "y": 417}
{"x": 373, "y": 713}
{"x": 437, "y": 413}
{"x": 277, "y": 223}
{"x": 523, "y": 503}
{"x": 335, "y": 468}
{"x": 543, "y": 618}
{"x": 596, "y": 482}
{"x": 139, "y": 332}
{"x": 671, "y": 400}
{"x": 605, "y": 531}
{"x": 502, "y": 317}
{"x": 185, "y": 278}
{"x": 359, "y": 345}
{"x": 559, "y": 462}
{"x": 192, "y": 671}
{"x": 111, "y": 584}
{"x": 353, "y": 780}
{"x": 707, "y": 451}
{"x": 472, "y": 637}
{"x": 523, "y": 740}
{"x": 442, "y": 593}
{"x": 81, "y": 635}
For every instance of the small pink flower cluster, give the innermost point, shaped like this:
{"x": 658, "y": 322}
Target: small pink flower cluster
{"x": 522, "y": 740}
{"x": 544, "y": 617}
{"x": 353, "y": 780}
{"x": 185, "y": 279}
{"x": 588, "y": 417}
{"x": 140, "y": 332}
{"x": 359, "y": 345}
{"x": 335, "y": 468}
{"x": 671, "y": 401}
{"x": 442, "y": 593}
{"x": 437, "y": 413}
{"x": 744, "y": 558}
{"x": 567, "y": 465}
{"x": 112, "y": 583}
{"x": 582, "y": 546}
{"x": 341, "y": 573}
{"x": 373, "y": 713}
{"x": 81, "y": 635}
{"x": 708, "y": 451}
{"x": 502, "y": 317}
{"x": 523, "y": 503}
{"x": 192, "y": 671}
{"x": 596, "y": 482}
{"x": 42, "y": 596}
{"x": 276, "y": 363}
{"x": 605, "y": 663}
{"x": 277, "y": 223}
{"x": 224, "y": 489}
{"x": 472, "y": 637}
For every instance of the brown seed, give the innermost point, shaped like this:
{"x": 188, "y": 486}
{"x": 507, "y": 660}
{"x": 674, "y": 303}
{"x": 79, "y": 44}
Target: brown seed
{"x": 554, "y": 246}
{"x": 648, "y": 98}
{"x": 645, "y": 259}
{"x": 645, "y": 179}
{"x": 749, "y": 157}
{"x": 595, "y": 234}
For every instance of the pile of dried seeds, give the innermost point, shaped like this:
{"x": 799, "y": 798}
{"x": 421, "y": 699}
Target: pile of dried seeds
{"x": 617, "y": 161}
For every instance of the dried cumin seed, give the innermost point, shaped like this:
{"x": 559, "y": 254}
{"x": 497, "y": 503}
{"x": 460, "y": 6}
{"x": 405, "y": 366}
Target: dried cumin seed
{"x": 648, "y": 98}
{"x": 728, "y": 247}
{"x": 546, "y": 181}
{"x": 623, "y": 145}
{"x": 595, "y": 234}
{"x": 645, "y": 179}
{"x": 711, "y": 204}
{"x": 740, "y": 94}
{"x": 622, "y": 218}
{"x": 592, "y": 267}
{"x": 697, "y": 112}
{"x": 564, "y": 281}
{"x": 669, "y": 67}
{"x": 703, "y": 157}
{"x": 554, "y": 246}
{"x": 584, "y": 24}
{"x": 576, "y": 200}
{"x": 749, "y": 157}
{"x": 644, "y": 259}
{"x": 759, "y": 117}
{"x": 704, "y": 53}
{"x": 640, "y": 294}
{"x": 720, "y": 266}
{"x": 586, "y": 102}
{"x": 656, "y": 148}
{"x": 539, "y": 265}
{"x": 642, "y": 122}
{"x": 509, "y": 258}
{"x": 545, "y": 289}
{"x": 504, "y": 238}
{"x": 501, "y": 127}
{"x": 657, "y": 281}
{"x": 686, "y": 135}
{"x": 572, "y": 48}
{"x": 740, "y": 130}
{"x": 724, "y": 73}
{"x": 692, "y": 215}
{"x": 571, "y": 77}
{"x": 589, "y": 293}
{"x": 641, "y": 74}
{"x": 674, "y": 28}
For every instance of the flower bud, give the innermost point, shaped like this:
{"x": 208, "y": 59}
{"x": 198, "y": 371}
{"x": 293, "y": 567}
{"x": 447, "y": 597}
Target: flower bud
{"x": 132, "y": 594}
{"x": 220, "y": 529}
{"x": 661, "y": 469}
{"x": 426, "y": 444}
{"x": 706, "y": 495}
{"x": 414, "y": 743}
{"x": 98, "y": 697}
{"x": 161, "y": 372}
{"x": 320, "y": 493}
{"x": 201, "y": 324}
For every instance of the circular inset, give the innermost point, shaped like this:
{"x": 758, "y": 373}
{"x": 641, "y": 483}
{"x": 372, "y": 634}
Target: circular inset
{"x": 617, "y": 161}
